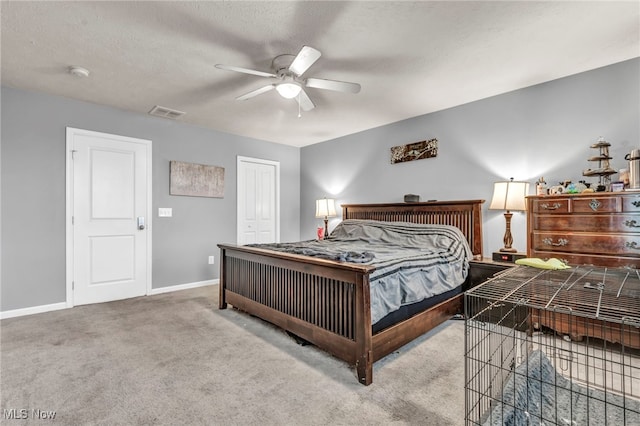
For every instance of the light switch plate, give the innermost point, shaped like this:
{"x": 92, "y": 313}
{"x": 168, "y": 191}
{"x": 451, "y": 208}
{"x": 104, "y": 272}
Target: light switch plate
{"x": 165, "y": 212}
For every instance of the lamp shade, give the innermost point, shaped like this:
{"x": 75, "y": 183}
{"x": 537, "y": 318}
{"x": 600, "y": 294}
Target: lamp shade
{"x": 326, "y": 207}
{"x": 509, "y": 195}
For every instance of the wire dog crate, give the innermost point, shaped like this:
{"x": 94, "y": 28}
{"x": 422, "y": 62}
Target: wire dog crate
{"x": 553, "y": 347}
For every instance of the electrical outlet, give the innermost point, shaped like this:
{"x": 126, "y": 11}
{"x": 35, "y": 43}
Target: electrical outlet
{"x": 211, "y": 260}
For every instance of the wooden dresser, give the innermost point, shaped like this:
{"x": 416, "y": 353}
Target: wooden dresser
{"x": 601, "y": 228}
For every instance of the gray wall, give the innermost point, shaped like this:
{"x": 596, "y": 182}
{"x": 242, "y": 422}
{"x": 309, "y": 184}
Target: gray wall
{"x": 33, "y": 193}
{"x": 544, "y": 130}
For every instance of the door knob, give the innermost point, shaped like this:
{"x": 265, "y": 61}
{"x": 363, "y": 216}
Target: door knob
{"x": 141, "y": 222}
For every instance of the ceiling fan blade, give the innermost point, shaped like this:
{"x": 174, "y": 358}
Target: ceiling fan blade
{"x": 304, "y": 59}
{"x": 305, "y": 101}
{"x": 338, "y": 86}
{"x": 245, "y": 70}
{"x": 256, "y": 92}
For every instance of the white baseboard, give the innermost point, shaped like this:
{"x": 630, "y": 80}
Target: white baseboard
{"x": 33, "y": 310}
{"x": 186, "y": 286}
{"x": 63, "y": 305}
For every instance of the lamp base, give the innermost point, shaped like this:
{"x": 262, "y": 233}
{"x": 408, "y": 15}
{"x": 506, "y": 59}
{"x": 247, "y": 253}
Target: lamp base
{"x": 500, "y": 256}
{"x": 326, "y": 227}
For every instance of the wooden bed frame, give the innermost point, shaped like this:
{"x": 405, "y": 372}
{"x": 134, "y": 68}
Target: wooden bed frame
{"x": 327, "y": 302}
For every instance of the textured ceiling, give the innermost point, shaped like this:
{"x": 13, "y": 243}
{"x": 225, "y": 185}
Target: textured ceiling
{"x": 411, "y": 58}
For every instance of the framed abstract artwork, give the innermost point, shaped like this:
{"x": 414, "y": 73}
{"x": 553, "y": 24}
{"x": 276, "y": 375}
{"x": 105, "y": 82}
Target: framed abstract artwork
{"x": 196, "y": 180}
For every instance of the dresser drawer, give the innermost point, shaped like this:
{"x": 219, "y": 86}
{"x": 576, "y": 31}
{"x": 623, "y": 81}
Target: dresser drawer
{"x": 586, "y": 243}
{"x": 551, "y": 205}
{"x": 590, "y": 259}
{"x": 627, "y": 223}
{"x": 598, "y": 228}
{"x": 596, "y": 205}
{"x": 631, "y": 204}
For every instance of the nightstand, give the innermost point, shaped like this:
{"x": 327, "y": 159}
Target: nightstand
{"x": 482, "y": 270}
{"x": 498, "y": 313}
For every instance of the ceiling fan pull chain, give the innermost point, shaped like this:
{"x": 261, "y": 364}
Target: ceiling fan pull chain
{"x": 299, "y": 113}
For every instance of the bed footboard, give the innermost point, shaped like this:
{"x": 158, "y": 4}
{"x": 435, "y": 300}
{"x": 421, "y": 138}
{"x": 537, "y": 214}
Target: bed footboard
{"x": 328, "y": 302}
{"x": 322, "y": 301}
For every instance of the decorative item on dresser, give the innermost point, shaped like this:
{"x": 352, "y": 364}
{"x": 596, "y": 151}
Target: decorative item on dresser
{"x": 595, "y": 229}
{"x": 329, "y": 302}
{"x": 633, "y": 178}
{"x": 604, "y": 170}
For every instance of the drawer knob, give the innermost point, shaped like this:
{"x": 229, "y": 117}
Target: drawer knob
{"x": 595, "y": 205}
{"x": 632, "y": 245}
{"x": 561, "y": 242}
{"x": 631, "y": 224}
{"x": 553, "y": 206}
{"x": 636, "y": 203}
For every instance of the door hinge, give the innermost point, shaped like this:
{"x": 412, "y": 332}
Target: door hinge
{"x": 73, "y": 285}
{"x": 73, "y": 154}
{"x": 73, "y": 220}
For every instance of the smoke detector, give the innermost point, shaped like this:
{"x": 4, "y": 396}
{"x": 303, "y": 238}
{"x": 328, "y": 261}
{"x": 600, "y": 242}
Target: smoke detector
{"x": 78, "y": 71}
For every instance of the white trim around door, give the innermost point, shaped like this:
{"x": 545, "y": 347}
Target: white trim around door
{"x": 243, "y": 163}
{"x": 71, "y": 134}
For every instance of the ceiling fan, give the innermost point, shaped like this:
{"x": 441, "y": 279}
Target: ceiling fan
{"x": 287, "y": 71}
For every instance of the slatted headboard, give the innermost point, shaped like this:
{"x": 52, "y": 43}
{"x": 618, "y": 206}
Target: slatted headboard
{"x": 464, "y": 214}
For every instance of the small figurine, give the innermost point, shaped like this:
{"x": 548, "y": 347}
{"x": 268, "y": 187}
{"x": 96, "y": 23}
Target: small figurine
{"x": 541, "y": 187}
{"x": 571, "y": 189}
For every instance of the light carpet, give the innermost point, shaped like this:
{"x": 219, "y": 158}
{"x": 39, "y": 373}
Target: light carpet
{"x": 175, "y": 358}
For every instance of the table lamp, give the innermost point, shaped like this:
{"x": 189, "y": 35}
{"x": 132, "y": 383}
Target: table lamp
{"x": 326, "y": 208}
{"x": 509, "y": 196}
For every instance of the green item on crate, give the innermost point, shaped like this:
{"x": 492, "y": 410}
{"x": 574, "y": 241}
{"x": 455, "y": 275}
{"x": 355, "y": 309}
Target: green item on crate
{"x": 535, "y": 262}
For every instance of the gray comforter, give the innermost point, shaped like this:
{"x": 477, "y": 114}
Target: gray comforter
{"x": 413, "y": 261}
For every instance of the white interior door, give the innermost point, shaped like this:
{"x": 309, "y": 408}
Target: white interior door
{"x": 258, "y": 201}
{"x": 110, "y": 191}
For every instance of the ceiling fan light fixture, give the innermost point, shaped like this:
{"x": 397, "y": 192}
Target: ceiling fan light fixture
{"x": 78, "y": 71}
{"x": 288, "y": 81}
{"x": 288, "y": 90}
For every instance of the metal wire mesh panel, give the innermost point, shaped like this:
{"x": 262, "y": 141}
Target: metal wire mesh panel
{"x": 554, "y": 347}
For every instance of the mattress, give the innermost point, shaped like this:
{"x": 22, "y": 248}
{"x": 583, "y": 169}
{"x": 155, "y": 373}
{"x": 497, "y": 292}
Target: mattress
{"x": 413, "y": 261}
